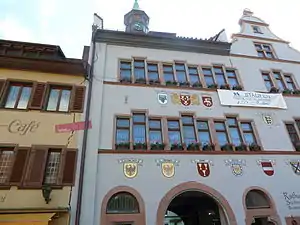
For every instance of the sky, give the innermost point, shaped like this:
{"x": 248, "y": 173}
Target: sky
{"x": 68, "y": 22}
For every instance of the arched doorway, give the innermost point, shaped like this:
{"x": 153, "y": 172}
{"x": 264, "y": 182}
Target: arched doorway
{"x": 260, "y": 208}
{"x": 193, "y": 203}
{"x": 123, "y": 206}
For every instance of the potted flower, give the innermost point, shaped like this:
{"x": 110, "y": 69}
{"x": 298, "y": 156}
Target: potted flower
{"x": 225, "y": 86}
{"x": 197, "y": 85}
{"x": 184, "y": 84}
{"x": 212, "y": 86}
{"x": 254, "y": 147}
{"x": 237, "y": 87}
{"x": 140, "y": 81}
{"x": 193, "y": 146}
{"x": 157, "y": 146}
{"x": 227, "y": 147}
{"x": 140, "y": 146}
{"x": 154, "y": 81}
{"x": 171, "y": 83}
{"x": 125, "y": 80}
{"x": 177, "y": 146}
{"x": 287, "y": 91}
{"x": 241, "y": 147}
{"x": 296, "y": 92}
{"x": 208, "y": 147}
{"x": 122, "y": 146}
{"x": 274, "y": 90}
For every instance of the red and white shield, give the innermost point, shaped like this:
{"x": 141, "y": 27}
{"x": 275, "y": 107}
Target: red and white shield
{"x": 267, "y": 168}
{"x": 207, "y": 101}
{"x": 203, "y": 169}
{"x": 185, "y": 99}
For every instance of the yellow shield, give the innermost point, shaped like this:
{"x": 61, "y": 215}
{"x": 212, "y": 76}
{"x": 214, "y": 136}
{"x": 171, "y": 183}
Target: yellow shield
{"x": 130, "y": 169}
{"x": 237, "y": 169}
{"x": 168, "y": 169}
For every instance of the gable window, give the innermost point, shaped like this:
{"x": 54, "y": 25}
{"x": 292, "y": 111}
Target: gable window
{"x": 264, "y": 50}
{"x": 188, "y": 129}
{"x": 18, "y": 95}
{"x": 59, "y": 99}
{"x": 6, "y": 164}
{"x": 168, "y": 73}
{"x": 289, "y": 82}
{"x": 256, "y": 30}
{"x": 139, "y": 71}
{"x": 153, "y": 74}
{"x": 125, "y": 71}
{"x": 193, "y": 75}
{"x": 180, "y": 72}
{"x": 279, "y": 80}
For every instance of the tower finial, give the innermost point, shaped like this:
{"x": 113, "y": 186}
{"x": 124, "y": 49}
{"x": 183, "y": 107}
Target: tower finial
{"x": 136, "y": 5}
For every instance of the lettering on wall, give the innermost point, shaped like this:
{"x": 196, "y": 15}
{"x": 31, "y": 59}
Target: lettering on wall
{"x": 22, "y": 128}
{"x": 3, "y": 198}
{"x": 292, "y": 200}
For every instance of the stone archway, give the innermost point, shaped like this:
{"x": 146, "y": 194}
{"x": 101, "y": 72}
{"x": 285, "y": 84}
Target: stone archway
{"x": 194, "y": 186}
{"x": 264, "y": 208}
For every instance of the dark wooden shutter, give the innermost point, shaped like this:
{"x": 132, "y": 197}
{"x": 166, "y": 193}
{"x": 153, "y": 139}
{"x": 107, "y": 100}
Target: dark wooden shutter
{"x": 36, "y": 167}
{"x": 19, "y": 166}
{"x": 38, "y": 96}
{"x": 2, "y": 88}
{"x": 77, "y": 101}
{"x": 69, "y": 167}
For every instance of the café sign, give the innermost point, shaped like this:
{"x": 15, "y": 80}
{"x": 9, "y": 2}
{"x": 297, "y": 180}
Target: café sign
{"x": 21, "y": 127}
{"x": 251, "y": 99}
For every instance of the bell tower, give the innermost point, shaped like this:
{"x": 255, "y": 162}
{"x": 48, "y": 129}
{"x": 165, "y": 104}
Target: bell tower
{"x": 136, "y": 21}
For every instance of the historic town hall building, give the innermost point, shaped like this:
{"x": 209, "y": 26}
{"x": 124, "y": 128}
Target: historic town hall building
{"x": 191, "y": 131}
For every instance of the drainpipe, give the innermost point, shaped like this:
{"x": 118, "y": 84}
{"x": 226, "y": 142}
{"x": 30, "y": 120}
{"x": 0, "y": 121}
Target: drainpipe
{"x": 85, "y": 132}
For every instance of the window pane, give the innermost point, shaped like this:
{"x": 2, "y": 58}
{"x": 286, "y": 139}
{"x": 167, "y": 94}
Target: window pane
{"x": 122, "y": 122}
{"x": 139, "y": 64}
{"x": 269, "y": 55}
{"x": 194, "y": 79}
{"x": 209, "y": 80}
{"x": 231, "y": 121}
{"x": 222, "y": 138}
{"x": 12, "y": 96}
{"x": 168, "y": 77}
{"x": 24, "y": 98}
{"x": 173, "y": 124}
{"x": 235, "y": 136}
{"x": 139, "y": 73}
{"x": 152, "y": 67}
{"x": 207, "y": 71}
{"x": 53, "y": 99}
{"x": 219, "y": 126}
{"x": 52, "y": 168}
{"x": 268, "y": 84}
{"x": 153, "y": 75}
{"x": 249, "y": 138}
{"x": 126, "y": 74}
{"x": 187, "y": 120}
{"x": 125, "y": 65}
{"x": 193, "y": 71}
{"x": 174, "y": 137}
{"x": 139, "y": 133}
{"x": 246, "y": 126}
{"x": 189, "y": 134}
{"x": 179, "y": 67}
{"x": 204, "y": 137}
{"x": 154, "y": 124}
{"x": 218, "y": 70}
{"x": 64, "y": 101}
{"x": 122, "y": 136}
{"x": 138, "y": 118}
{"x": 233, "y": 81}
{"x": 202, "y": 125}
{"x": 220, "y": 79}
{"x": 181, "y": 77}
{"x": 261, "y": 54}
{"x": 155, "y": 136}
{"x": 6, "y": 163}
{"x": 168, "y": 68}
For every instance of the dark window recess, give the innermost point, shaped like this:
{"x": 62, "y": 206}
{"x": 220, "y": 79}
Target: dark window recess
{"x": 122, "y": 203}
{"x": 69, "y": 167}
{"x": 38, "y": 96}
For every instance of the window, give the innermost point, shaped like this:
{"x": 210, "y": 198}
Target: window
{"x": 289, "y": 82}
{"x": 168, "y": 73}
{"x": 221, "y": 132}
{"x": 234, "y": 131}
{"x": 203, "y": 132}
{"x": 6, "y": 164}
{"x": 122, "y": 203}
{"x": 232, "y": 78}
{"x": 264, "y": 50}
{"x": 155, "y": 131}
{"x": 291, "y": 129}
{"x": 139, "y": 128}
{"x": 208, "y": 76}
{"x": 125, "y": 70}
{"x": 18, "y": 96}
{"x": 219, "y": 74}
{"x": 52, "y": 166}
{"x": 174, "y": 133}
{"x": 267, "y": 80}
{"x": 153, "y": 74}
{"x": 279, "y": 81}
{"x": 180, "y": 72}
{"x": 193, "y": 74}
{"x": 256, "y": 30}
{"x": 59, "y": 99}
{"x": 139, "y": 70}
{"x": 188, "y": 130}
{"x": 123, "y": 131}
{"x": 248, "y": 133}
{"x": 256, "y": 199}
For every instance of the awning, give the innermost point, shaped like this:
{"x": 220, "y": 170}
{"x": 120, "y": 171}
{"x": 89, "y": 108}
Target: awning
{"x": 26, "y": 219}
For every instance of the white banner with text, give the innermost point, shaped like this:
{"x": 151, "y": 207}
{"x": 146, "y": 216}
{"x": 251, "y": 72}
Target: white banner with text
{"x": 251, "y": 99}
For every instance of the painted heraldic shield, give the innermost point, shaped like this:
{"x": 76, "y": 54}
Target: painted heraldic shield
{"x": 203, "y": 169}
{"x": 207, "y": 101}
{"x": 295, "y": 167}
{"x": 168, "y": 169}
{"x": 185, "y": 99}
{"x": 237, "y": 169}
{"x": 130, "y": 169}
{"x": 162, "y": 98}
{"x": 267, "y": 168}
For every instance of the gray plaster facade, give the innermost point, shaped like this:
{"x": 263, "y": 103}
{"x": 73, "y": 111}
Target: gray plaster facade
{"x": 110, "y": 98}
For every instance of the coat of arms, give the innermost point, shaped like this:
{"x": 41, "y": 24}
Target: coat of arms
{"x": 162, "y": 98}
{"x": 130, "y": 167}
{"x": 167, "y": 166}
{"x": 185, "y": 99}
{"x": 267, "y": 119}
{"x": 267, "y": 166}
{"x": 236, "y": 166}
{"x": 207, "y": 101}
{"x": 203, "y": 167}
{"x": 295, "y": 165}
